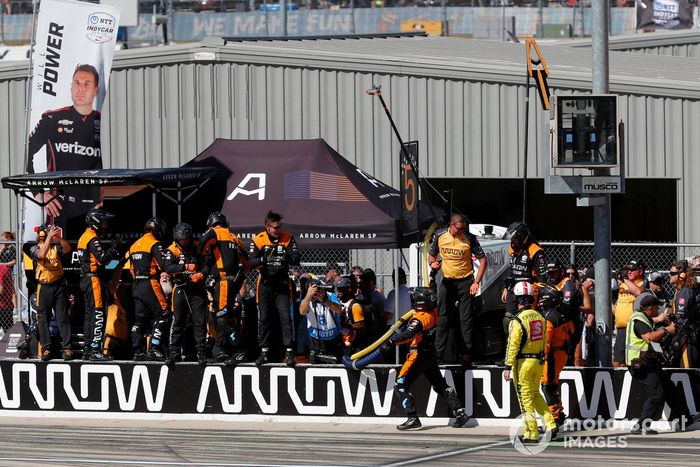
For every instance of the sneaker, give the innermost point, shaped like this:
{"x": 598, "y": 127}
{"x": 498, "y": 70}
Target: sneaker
{"x": 222, "y": 357}
{"x": 262, "y": 359}
{"x": 155, "y": 355}
{"x": 525, "y": 440}
{"x": 461, "y": 419}
{"x": 46, "y": 355}
{"x": 235, "y": 360}
{"x": 201, "y": 358}
{"x": 290, "y": 357}
{"x": 173, "y": 358}
{"x": 97, "y": 356}
{"x": 86, "y": 353}
{"x": 638, "y": 430}
{"x": 312, "y": 357}
{"x": 140, "y": 357}
{"x": 67, "y": 355}
{"x": 411, "y": 424}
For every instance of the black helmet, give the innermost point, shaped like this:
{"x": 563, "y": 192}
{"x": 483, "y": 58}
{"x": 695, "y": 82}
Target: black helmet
{"x": 42, "y": 231}
{"x": 156, "y": 225}
{"x": 182, "y": 232}
{"x": 216, "y": 218}
{"x": 424, "y": 298}
{"x": 519, "y": 233}
{"x": 95, "y": 217}
{"x": 548, "y": 297}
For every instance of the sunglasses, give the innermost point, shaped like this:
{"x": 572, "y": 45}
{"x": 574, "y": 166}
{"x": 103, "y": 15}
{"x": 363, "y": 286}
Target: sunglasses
{"x": 673, "y": 273}
{"x": 275, "y": 227}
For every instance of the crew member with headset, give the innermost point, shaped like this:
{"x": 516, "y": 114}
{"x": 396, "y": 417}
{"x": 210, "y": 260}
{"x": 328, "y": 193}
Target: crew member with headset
{"x": 189, "y": 297}
{"x": 527, "y": 263}
{"x": 272, "y": 252}
{"x": 456, "y": 246}
{"x": 51, "y": 289}
{"x": 527, "y": 335}
{"x": 151, "y": 314}
{"x": 645, "y": 366}
{"x": 93, "y": 259}
{"x": 227, "y": 262}
{"x": 686, "y": 311}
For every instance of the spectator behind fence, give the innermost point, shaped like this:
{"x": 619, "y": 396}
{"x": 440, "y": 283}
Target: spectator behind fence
{"x": 8, "y": 252}
{"x": 404, "y": 300}
{"x": 7, "y": 298}
{"x": 585, "y": 350}
{"x": 322, "y": 314}
{"x": 631, "y": 284}
{"x": 357, "y": 273}
{"x": 373, "y": 302}
{"x": 686, "y": 312}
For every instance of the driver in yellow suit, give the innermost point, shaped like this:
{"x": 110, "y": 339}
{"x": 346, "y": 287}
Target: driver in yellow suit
{"x": 525, "y": 362}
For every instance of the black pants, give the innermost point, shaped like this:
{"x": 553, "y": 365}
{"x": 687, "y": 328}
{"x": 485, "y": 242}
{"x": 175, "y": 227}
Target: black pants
{"x": 274, "y": 296}
{"x": 188, "y": 300}
{"x": 151, "y": 315}
{"x": 460, "y": 318}
{"x": 95, "y": 295}
{"x": 659, "y": 389}
{"x": 52, "y": 298}
{"x": 418, "y": 363}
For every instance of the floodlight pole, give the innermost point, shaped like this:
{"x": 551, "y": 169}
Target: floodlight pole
{"x": 602, "y": 234}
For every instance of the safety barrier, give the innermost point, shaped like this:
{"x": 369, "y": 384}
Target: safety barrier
{"x": 321, "y": 392}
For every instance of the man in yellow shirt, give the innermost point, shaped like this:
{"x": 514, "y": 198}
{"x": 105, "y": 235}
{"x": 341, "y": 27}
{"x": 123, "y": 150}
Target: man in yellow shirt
{"x": 456, "y": 246}
{"x": 51, "y": 289}
{"x": 527, "y": 333}
{"x": 631, "y": 284}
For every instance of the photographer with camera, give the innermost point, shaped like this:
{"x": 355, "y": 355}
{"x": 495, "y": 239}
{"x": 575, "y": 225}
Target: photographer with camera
{"x": 645, "y": 365}
{"x": 322, "y": 320}
{"x": 631, "y": 284}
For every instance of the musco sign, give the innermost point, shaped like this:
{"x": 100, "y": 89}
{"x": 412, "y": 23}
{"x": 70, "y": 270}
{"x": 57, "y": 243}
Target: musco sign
{"x": 301, "y": 391}
{"x": 591, "y": 185}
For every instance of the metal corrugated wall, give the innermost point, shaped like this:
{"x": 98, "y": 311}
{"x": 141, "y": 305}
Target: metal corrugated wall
{"x": 164, "y": 115}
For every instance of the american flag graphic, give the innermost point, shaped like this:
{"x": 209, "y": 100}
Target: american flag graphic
{"x": 304, "y": 184}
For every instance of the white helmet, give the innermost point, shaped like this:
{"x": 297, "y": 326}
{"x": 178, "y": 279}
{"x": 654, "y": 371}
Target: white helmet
{"x": 523, "y": 289}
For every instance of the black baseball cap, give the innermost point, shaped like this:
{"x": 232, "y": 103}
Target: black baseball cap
{"x": 649, "y": 300}
{"x": 636, "y": 264}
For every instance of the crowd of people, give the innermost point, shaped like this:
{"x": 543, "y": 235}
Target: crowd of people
{"x": 193, "y": 299}
{"x": 550, "y": 322}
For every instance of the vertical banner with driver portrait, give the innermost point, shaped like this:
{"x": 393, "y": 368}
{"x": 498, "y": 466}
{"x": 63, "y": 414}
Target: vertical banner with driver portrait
{"x": 71, "y": 64}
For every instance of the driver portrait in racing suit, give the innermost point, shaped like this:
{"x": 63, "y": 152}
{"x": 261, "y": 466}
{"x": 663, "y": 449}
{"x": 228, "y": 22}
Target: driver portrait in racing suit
{"x": 71, "y": 136}
{"x": 524, "y": 361}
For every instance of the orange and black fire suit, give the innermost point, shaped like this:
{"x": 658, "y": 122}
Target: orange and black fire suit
{"x": 273, "y": 256}
{"x": 227, "y": 262}
{"x": 189, "y": 297}
{"x": 51, "y": 296}
{"x": 528, "y": 265}
{"x": 560, "y": 331}
{"x": 151, "y": 314}
{"x": 421, "y": 359}
{"x": 93, "y": 258}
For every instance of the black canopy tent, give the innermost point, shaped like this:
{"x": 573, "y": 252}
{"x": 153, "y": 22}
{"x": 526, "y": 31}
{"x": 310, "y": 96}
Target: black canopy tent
{"x": 326, "y": 201}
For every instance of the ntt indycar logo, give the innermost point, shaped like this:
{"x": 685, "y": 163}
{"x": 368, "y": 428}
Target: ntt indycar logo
{"x": 100, "y": 27}
{"x": 78, "y": 149}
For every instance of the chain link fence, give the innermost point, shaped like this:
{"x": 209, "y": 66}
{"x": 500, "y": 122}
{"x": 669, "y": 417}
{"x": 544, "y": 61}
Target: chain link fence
{"x": 8, "y": 275}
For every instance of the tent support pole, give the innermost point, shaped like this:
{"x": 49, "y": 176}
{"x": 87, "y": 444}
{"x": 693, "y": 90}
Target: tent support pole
{"x": 179, "y": 202}
{"x": 396, "y": 297}
{"x": 153, "y": 204}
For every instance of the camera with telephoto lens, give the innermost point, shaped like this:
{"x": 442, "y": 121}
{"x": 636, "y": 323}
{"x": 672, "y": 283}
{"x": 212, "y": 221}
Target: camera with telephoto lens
{"x": 321, "y": 285}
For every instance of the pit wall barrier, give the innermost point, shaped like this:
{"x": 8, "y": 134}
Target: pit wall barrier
{"x": 315, "y": 393}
